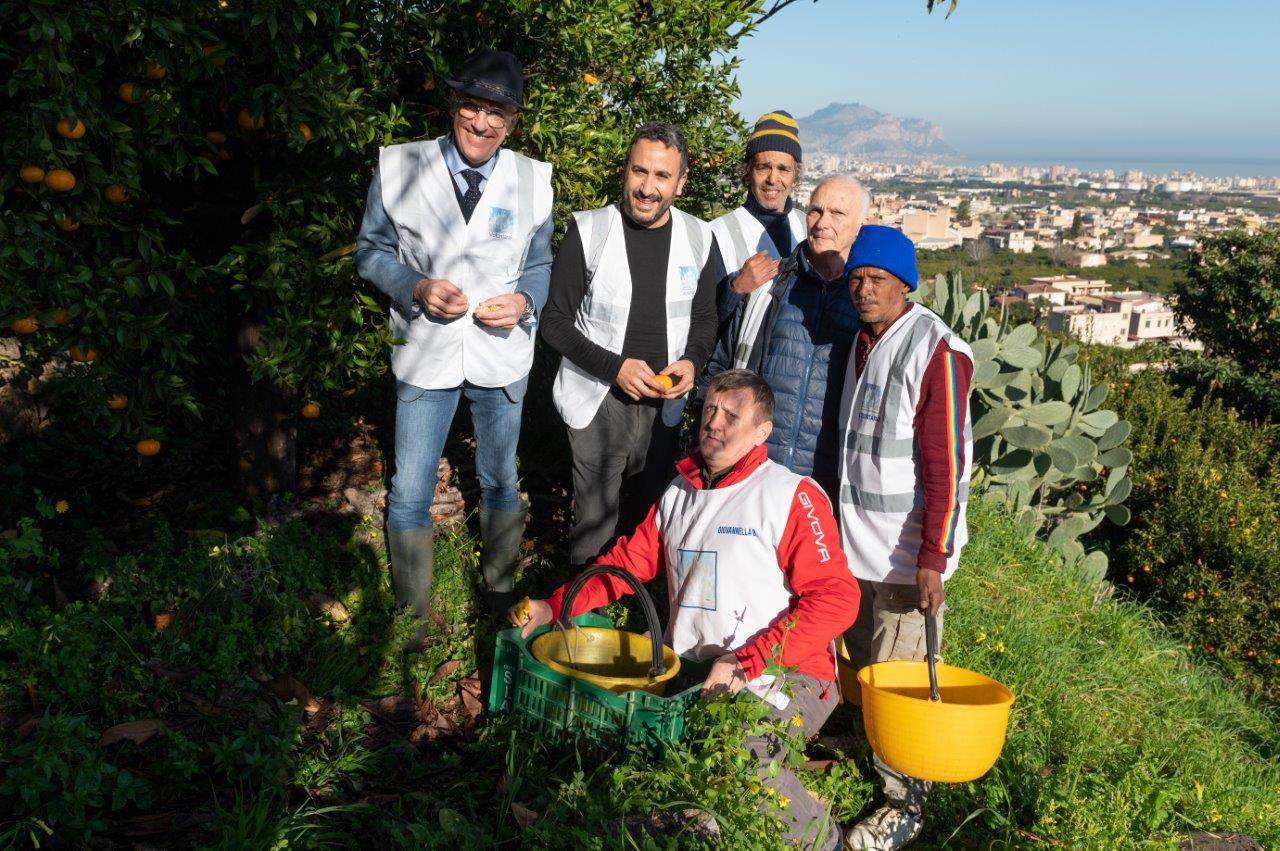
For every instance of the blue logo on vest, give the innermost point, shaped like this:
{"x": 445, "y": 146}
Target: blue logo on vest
{"x": 696, "y": 579}
{"x": 688, "y": 280}
{"x": 870, "y": 408}
{"x": 501, "y": 223}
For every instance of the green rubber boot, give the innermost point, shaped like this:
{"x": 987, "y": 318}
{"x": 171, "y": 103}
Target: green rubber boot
{"x": 501, "y": 532}
{"x": 412, "y": 557}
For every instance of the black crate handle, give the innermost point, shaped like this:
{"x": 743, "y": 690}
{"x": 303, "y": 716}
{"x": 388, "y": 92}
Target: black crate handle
{"x": 658, "y": 668}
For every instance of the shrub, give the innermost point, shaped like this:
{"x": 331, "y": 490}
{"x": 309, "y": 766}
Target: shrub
{"x": 1203, "y": 545}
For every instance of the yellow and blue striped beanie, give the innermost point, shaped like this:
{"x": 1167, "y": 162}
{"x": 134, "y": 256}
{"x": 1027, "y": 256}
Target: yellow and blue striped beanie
{"x": 775, "y": 131}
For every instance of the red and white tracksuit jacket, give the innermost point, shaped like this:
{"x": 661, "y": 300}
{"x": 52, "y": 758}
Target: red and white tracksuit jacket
{"x": 754, "y": 568}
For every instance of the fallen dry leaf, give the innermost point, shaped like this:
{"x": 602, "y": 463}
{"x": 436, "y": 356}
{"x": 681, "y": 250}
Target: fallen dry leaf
{"x": 444, "y": 670}
{"x": 135, "y": 731}
{"x": 289, "y": 690}
{"x": 162, "y": 621}
{"x": 524, "y": 816}
{"x": 330, "y": 607}
{"x": 469, "y": 692}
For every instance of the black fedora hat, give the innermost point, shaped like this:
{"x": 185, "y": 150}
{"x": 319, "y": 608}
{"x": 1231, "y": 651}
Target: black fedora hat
{"x": 494, "y": 75}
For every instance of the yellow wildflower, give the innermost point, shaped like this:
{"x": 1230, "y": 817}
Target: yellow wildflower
{"x": 784, "y": 801}
{"x": 982, "y": 636}
{"x": 1199, "y": 789}
{"x": 797, "y": 721}
{"x": 999, "y": 646}
{"x": 62, "y": 506}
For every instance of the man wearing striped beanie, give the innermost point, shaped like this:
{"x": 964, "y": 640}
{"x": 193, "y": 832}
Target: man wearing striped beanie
{"x": 767, "y": 227}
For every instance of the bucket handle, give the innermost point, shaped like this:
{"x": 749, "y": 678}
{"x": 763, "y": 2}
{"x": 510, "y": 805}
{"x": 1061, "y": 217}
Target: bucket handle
{"x": 931, "y": 650}
{"x": 658, "y": 668}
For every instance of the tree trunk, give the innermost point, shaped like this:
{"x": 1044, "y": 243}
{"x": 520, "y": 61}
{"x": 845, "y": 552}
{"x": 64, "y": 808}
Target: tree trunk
{"x": 266, "y": 436}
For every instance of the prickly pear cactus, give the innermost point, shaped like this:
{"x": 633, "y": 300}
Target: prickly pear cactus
{"x": 1041, "y": 439}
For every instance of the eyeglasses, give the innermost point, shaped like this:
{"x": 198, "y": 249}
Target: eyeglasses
{"x": 496, "y": 116}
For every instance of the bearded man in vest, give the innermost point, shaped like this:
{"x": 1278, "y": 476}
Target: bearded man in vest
{"x": 798, "y": 331}
{"x": 632, "y": 314}
{"x": 904, "y": 482}
{"x": 753, "y": 571}
{"x": 768, "y": 226}
{"x": 457, "y": 232}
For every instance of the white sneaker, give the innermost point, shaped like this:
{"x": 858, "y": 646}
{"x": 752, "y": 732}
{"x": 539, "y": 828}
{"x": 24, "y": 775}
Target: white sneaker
{"x": 884, "y": 830}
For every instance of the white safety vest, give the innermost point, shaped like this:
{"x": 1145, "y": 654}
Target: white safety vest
{"x": 881, "y": 492}
{"x": 484, "y": 257}
{"x": 724, "y": 578}
{"x": 602, "y": 316}
{"x": 739, "y": 235}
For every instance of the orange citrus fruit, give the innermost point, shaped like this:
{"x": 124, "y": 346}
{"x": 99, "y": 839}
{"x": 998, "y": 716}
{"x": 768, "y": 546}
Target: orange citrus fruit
{"x": 80, "y": 356}
{"x": 211, "y": 51}
{"x": 310, "y": 411}
{"x": 590, "y": 79}
{"x": 223, "y": 154}
{"x": 155, "y": 71}
{"x": 61, "y": 316}
{"x": 25, "y": 325}
{"x": 116, "y": 193}
{"x": 60, "y": 180}
{"x": 217, "y": 137}
{"x": 305, "y": 131}
{"x": 69, "y": 131}
{"x": 664, "y": 381}
{"x": 130, "y": 93}
{"x": 31, "y": 174}
{"x": 248, "y": 121}
{"x": 147, "y": 447}
{"x": 68, "y": 224}
{"x": 118, "y": 402}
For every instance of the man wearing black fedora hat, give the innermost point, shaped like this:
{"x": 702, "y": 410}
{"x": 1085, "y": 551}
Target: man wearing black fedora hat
{"x": 457, "y": 233}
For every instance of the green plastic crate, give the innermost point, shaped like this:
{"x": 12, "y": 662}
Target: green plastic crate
{"x": 562, "y": 708}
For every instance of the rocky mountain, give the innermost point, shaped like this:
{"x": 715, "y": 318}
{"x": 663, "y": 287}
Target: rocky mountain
{"x": 851, "y": 129}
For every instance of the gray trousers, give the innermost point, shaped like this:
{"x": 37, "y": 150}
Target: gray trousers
{"x": 622, "y": 462}
{"x": 809, "y": 824}
{"x": 890, "y": 627}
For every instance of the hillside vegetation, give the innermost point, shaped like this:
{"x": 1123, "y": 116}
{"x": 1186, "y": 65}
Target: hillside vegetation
{"x": 261, "y": 718}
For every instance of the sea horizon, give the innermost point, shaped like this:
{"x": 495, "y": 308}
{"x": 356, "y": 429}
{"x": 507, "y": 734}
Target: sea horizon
{"x": 1202, "y": 166}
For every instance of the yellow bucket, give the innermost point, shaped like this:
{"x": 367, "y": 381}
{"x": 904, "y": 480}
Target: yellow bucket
{"x": 952, "y": 740}
{"x": 613, "y": 659}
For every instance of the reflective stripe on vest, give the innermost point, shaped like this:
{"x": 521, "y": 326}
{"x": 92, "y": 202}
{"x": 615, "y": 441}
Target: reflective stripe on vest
{"x": 881, "y": 495}
{"x": 603, "y": 314}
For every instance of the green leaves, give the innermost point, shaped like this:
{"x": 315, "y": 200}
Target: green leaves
{"x": 1038, "y": 425}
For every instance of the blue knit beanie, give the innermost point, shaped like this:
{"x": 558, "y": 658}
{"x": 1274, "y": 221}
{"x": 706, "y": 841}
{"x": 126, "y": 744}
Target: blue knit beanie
{"x": 885, "y": 248}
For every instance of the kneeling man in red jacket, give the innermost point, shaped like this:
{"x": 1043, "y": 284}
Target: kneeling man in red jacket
{"x": 754, "y": 571}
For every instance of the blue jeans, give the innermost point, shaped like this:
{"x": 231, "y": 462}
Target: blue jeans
{"x": 423, "y": 418}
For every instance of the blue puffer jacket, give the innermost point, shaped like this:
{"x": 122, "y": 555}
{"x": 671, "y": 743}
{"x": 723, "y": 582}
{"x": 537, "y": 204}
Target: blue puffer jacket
{"x": 802, "y": 350}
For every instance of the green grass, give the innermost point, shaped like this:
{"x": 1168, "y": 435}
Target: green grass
{"x": 1115, "y": 740}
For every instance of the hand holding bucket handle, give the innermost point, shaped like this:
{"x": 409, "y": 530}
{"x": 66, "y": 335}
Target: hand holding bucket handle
{"x": 931, "y": 649}
{"x": 646, "y": 604}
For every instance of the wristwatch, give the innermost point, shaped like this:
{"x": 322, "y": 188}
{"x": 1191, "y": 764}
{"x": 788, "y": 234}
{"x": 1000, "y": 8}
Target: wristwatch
{"x": 528, "y": 308}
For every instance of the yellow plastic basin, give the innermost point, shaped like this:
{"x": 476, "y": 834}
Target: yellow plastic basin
{"x": 610, "y": 658}
{"x": 952, "y": 741}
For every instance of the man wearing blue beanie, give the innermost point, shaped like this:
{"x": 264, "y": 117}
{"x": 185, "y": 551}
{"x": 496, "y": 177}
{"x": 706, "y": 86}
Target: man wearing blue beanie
{"x": 904, "y": 481}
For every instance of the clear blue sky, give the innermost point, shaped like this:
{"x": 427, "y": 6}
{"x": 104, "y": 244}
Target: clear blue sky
{"x": 1129, "y": 78}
